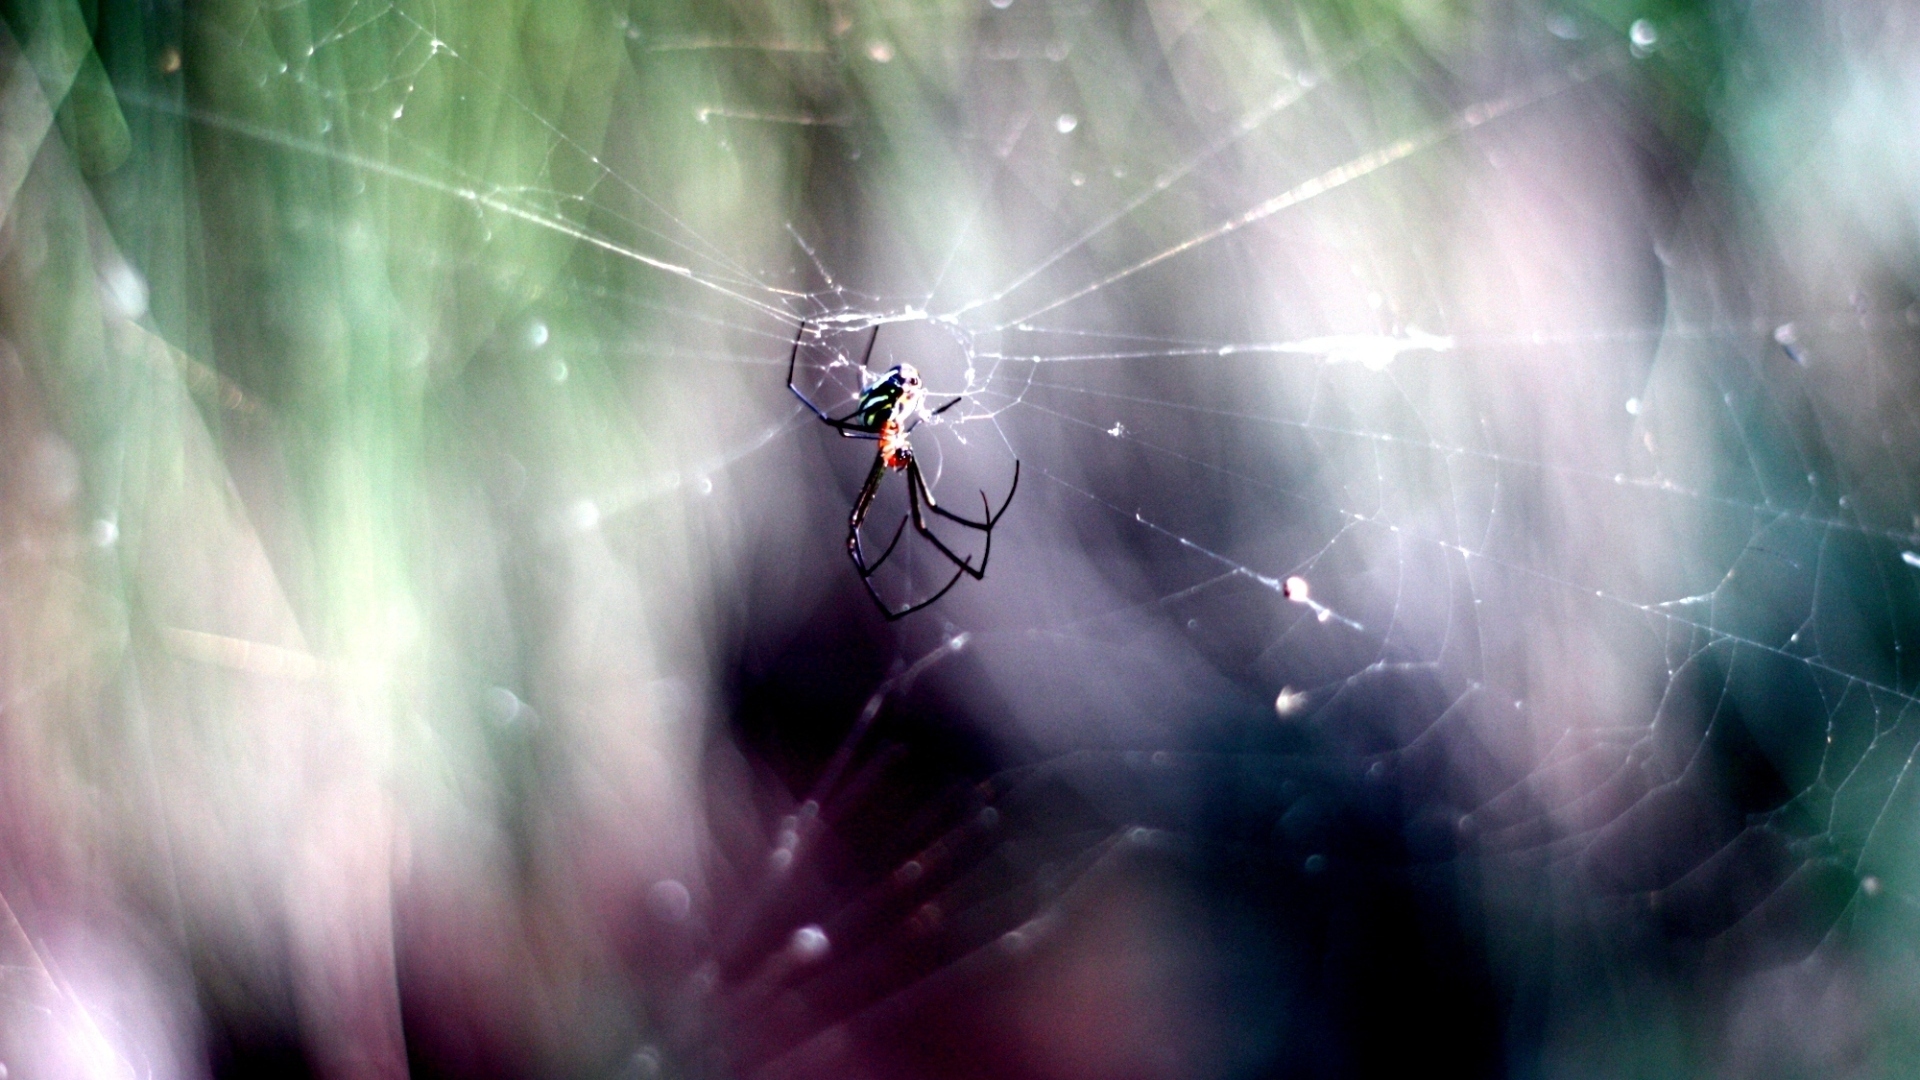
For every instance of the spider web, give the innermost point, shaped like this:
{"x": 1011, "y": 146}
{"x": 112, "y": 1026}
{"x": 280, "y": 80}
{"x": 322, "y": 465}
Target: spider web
{"x": 1480, "y": 483}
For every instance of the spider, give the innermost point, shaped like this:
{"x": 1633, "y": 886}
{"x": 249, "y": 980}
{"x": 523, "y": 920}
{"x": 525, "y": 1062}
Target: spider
{"x": 890, "y": 408}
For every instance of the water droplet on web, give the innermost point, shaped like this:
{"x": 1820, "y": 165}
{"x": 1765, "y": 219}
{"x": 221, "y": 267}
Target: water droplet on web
{"x": 672, "y": 900}
{"x": 1296, "y": 590}
{"x": 1633, "y": 406}
{"x": 1870, "y": 885}
{"x": 1290, "y": 701}
{"x": 1077, "y": 180}
{"x": 809, "y": 943}
{"x": 1066, "y": 123}
{"x": 1001, "y": 4}
{"x": 559, "y": 371}
{"x": 1643, "y": 35}
{"x": 584, "y": 514}
{"x": 1117, "y": 430}
{"x": 704, "y": 485}
{"x": 103, "y": 533}
{"x": 537, "y": 333}
{"x": 880, "y": 52}
{"x": 1314, "y": 864}
{"x": 1911, "y": 558}
{"x": 503, "y": 705}
{"x": 123, "y": 292}
{"x": 1785, "y": 334}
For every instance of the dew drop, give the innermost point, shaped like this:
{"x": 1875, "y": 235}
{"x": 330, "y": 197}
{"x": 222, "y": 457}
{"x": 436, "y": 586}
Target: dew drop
{"x": 672, "y": 900}
{"x": 809, "y": 943}
{"x": 503, "y": 705}
{"x": 584, "y": 514}
{"x": 123, "y": 292}
{"x": 1066, "y": 123}
{"x": 1643, "y": 35}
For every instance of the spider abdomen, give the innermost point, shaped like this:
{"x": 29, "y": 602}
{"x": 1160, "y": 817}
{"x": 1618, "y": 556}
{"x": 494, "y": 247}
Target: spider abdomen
{"x": 894, "y": 448}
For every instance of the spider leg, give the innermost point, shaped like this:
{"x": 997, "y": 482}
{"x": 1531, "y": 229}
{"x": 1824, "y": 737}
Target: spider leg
{"x": 902, "y": 613}
{"x": 934, "y": 413}
{"x": 993, "y": 516}
{"x": 846, "y": 425}
{"x": 916, "y": 492}
{"x": 856, "y": 549}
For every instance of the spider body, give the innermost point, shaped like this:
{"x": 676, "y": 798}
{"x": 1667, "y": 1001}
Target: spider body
{"x": 888, "y": 411}
{"x": 894, "y": 398}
